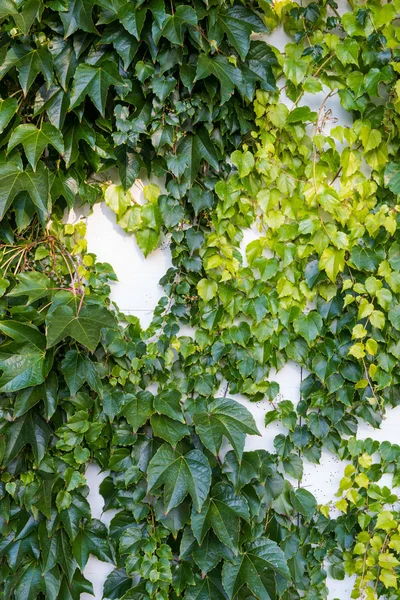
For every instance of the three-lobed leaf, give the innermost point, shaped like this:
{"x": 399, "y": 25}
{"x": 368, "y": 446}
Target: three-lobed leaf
{"x": 179, "y": 475}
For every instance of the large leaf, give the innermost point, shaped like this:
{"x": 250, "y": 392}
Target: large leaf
{"x": 227, "y": 74}
{"x": 195, "y": 148}
{"x": 247, "y": 569}
{"x": 92, "y": 539}
{"x": 221, "y": 512}
{"x": 29, "y": 63}
{"x": 206, "y": 588}
{"x": 179, "y": 475}
{"x": 35, "y": 140}
{"x": 309, "y": 326}
{"x": 8, "y": 108}
{"x": 94, "y": 81}
{"x": 132, "y": 18}
{"x": 225, "y": 418}
{"x": 167, "y": 402}
{"x": 78, "y": 16}
{"x": 124, "y": 43}
{"x": 30, "y": 429}
{"x": 77, "y": 369}
{"x": 33, "y": 284}
{"x": 27, "y": 14}
{"x": 116, "y": 584}
{"x": 14, "y": 180}
{"x": 138, "y": 409}
{"x": 129, "y": 164}
{"x": 238, "y": 23}
{"x": 22, "y": 362}
{"x": 83, "y": 325}
{"x": 30, "y": 582}
{"x": 175, "y": 24}
{"x": 168, "y": 429}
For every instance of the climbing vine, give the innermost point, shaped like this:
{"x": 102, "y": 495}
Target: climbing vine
{"x": 232, "y": 134}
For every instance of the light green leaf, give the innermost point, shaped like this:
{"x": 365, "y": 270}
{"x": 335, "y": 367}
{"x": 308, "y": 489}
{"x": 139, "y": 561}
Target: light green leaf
{"x": 207, "y": 289}
{"x": 347, "y": 51}
{"x": 332, "y": 261}
{"x": 244, "y": 161}
{"x": 116, "y": 199}
{"x": 295, "y": 66}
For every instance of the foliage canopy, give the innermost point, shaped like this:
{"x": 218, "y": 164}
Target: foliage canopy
{"x": 241, "y": 135}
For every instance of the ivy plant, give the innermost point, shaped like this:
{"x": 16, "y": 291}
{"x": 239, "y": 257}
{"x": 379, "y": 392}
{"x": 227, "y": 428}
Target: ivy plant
{"x": 230, "y": 133}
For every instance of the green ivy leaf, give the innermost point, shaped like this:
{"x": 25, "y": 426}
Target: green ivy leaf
{"x": 309, "y": 326}
{"x": 77, "y": 369}
{"x": 238, "y": 23}
{"x": 84, "y": 326}
{"x": 14, "y": 180}
{"x": 138, "y": 409}
{"x": 22, "y": 362}
{"x": 78, "y": 16}
{"x": 304, "y": 502}
{"x": 221, "y": 512}
{"x": 175, "y": 24}
{"x": 247, "y": 569}
{"x": 92, "y": 539}
{"x": 392, "y": 177}
{"x": 194, "y": 149}
{"x": 29, "y": 63}
{"x": 179, "y": 475}
{"x": 94, "y": 81}
{"x": 33, "y": 284}
{"x": 225, "y": 418}
{"x": 8, "y": 108}
{"x": 29, "y": 429}
{"x": 35, "y": 140}
{"x": 227, "y": 74}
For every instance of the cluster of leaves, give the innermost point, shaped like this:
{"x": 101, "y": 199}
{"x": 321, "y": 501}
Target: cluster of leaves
{"x": 171, "y": 91}
{"x": 370, "y": 527}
